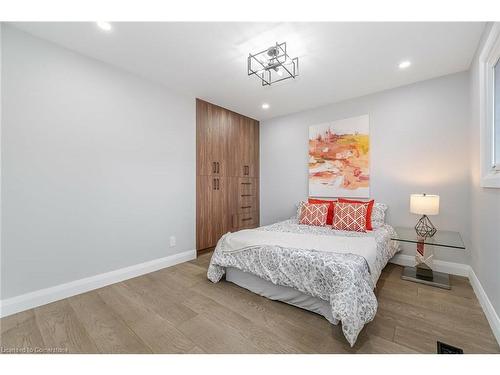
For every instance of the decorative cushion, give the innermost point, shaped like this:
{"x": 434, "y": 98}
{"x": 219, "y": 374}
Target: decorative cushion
{"x": 313, "y": 214}
{"x": 368, "y": 213}
{"x": 331, "y": 206}
{"x": 350, "y": 216}
{"x": 299, "y": 210}
{"x": 378, "y": 215}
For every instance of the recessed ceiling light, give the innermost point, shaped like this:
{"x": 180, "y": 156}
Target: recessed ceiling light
{"x": 265, "y": 106}
{"x": 106, "y": 26}
{"x": 404, "y": 64}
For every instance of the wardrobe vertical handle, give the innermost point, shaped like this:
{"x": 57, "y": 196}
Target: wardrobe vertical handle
{"x": 218, "y": 167}
{"x": 214, "y": 167}
{"x": 218, "y": 184}
{"x": 214, "y": 184}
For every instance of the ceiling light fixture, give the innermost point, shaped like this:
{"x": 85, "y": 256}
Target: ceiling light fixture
{"x": 106, "y": 26}
{"x": 404, "y": 64}
{"x": 273, "y": 65}
{"x": 265, "y": 106}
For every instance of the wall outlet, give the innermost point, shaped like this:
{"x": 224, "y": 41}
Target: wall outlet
{"x": 172, "y": 241}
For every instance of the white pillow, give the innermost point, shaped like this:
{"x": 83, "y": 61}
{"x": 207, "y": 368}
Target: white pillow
{"x": 378, "y": 215}
{"x": 299, "y": 209}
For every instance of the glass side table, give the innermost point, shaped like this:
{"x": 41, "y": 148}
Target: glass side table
{"x": 424, "y": 255}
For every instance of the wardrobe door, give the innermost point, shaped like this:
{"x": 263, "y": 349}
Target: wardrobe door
{"x": 231, "y": 196}
{"x": 205, "y": 135}
{"x": 254, "y": 155}
{"x": 244, "y": 147}
{"x": 219, "y": 118}
{"x": 212, "y": 139}
{"x": 252, "y": 136}
{"x": 233, "y": 145}
{"x": 248, "y": 147}
{"x": 204, "y": 211}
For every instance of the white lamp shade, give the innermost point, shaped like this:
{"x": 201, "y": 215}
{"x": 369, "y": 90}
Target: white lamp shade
{"x": 424, "y": 204}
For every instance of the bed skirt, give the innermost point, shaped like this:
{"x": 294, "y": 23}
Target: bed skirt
{"x": 280, "y": 293}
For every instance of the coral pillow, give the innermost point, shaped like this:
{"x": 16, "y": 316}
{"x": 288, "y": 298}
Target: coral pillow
{"x": 313, "y": 214}
{"x": 368, "y": 213}
{"x": 350, "y": 217}
{"x": 329, "y": 217}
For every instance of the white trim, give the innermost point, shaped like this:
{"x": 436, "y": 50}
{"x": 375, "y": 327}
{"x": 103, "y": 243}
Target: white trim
{"x": 43, "y": 296}
{"x": 488, "y": 57}
{"x": 461, "y": 270}
{"x": 453, "y": 268}
{"x": 485, "y": 302}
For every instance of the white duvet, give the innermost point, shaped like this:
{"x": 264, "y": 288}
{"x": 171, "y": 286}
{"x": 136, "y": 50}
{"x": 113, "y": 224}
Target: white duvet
{"x": 363, "y": 246}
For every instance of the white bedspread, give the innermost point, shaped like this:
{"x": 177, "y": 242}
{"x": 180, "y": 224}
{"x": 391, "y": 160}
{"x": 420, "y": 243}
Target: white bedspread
{"x": 363, "y": 246}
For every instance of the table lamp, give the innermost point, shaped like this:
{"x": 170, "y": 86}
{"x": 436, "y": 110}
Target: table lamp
{"x": 424, "y": 204}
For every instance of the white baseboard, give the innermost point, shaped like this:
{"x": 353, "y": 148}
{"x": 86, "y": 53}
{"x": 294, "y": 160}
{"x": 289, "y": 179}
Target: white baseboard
{"x": 43, "y": 296}
{"x": 458, "y": 269}
{"x": 461, "y": 270}
{"x": 485, "y": 302}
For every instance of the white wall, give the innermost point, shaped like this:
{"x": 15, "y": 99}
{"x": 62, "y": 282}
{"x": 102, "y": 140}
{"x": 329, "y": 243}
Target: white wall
{"x": 485, "y": 204}
{"x": 419, "y": 143}
{"x": 98, "y": 167}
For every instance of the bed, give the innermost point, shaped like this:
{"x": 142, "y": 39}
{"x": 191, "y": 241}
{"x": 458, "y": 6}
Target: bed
{"x": 332, "y": 273}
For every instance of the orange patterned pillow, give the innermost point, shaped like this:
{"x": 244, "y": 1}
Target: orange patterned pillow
{"x": 329, "y": 217}
{"x": 350, "y": 216}
{"x": 313, "y": 214}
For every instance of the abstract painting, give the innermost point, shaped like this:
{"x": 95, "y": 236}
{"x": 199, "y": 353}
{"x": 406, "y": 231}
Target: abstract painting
{"x": 339, "y": 158}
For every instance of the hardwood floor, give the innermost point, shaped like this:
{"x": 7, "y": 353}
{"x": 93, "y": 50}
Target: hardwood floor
{"x": 177, "y": 310}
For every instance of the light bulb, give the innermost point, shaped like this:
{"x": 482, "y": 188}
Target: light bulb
{"x": 404, "y": 64}
{"x": 106, "y": 26}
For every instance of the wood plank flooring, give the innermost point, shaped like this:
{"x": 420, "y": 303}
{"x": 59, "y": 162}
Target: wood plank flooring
{"x": 177, "y": 310}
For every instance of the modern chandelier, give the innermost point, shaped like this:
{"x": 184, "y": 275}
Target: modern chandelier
{"x": 273, "y": 65}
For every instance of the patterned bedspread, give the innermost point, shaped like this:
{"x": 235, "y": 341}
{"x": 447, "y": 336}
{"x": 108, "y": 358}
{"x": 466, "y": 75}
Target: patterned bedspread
{"x": 342, "y": 279}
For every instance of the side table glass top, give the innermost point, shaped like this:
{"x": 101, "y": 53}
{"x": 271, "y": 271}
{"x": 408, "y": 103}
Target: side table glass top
{"x": 442, "y": 238}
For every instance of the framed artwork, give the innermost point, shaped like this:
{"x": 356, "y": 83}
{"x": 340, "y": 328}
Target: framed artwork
{"x": 339, "y": 158}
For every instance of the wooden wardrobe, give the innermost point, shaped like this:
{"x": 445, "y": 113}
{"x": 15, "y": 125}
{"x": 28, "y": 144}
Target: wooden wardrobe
{"x": 227, "y": 173}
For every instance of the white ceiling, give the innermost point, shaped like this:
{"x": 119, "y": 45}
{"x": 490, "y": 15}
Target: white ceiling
{"x": 337, "y": 60}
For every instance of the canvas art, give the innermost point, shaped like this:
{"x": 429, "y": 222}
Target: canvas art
{"x": 339, "y": 158}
